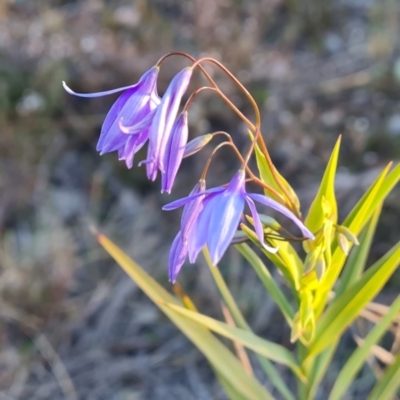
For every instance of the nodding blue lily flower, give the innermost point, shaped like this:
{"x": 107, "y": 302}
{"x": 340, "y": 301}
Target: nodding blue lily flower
{"x": 174, "y": 151}
{"x": 218, "y": 216}
{"x": 133, "y": 107}
{"x": 162, "y": 123}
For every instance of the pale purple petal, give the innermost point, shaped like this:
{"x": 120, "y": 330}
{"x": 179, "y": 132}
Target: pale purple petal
{"x": 283, "y": 210}
{"x": 181, "y": 202}
{"x": 256, "y": 218}
{"x": 174, "y": 152}
{"x": 226, "y": 210}
{"x": 165, "y": 115}
{"x": 192, "y": 210}
{"x": 98, "y": 94}
{"x": 197, "y": 237}
{"x": 177, "y": 257}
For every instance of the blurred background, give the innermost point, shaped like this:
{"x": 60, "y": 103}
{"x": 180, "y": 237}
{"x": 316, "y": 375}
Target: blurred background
{"x": 72, "y": 325}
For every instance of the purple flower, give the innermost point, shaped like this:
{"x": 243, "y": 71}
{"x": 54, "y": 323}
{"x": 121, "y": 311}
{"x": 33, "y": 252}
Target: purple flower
{"x": 162, "y": 123}
{"x": 133, "y": 107}
{"x": 174, "y": 151}
{"x": 218, "y": 215}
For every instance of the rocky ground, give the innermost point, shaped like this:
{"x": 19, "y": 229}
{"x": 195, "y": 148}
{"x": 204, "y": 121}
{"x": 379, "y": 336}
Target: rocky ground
{"x": 72, "y": 325}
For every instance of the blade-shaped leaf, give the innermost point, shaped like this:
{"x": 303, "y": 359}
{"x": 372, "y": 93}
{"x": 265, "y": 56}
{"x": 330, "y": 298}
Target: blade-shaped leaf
{"x": 355, "y": 221}
{"x": 268, "y": 367}
{"x": 216, "y": 353}
{"x": 345, "y": 308}
{"x": 389, "y": 383}
{"x": 270, "y": 350}
{"x": 315, "y": 216}
{"x": 316, "y": 369}
{"x": 359, "y": 356}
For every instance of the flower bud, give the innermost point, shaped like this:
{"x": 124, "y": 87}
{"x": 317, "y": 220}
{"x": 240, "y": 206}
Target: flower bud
{"x": 197, "y": 144}
{"x": 350, "y": 236}
{"x": 343, "y": 242}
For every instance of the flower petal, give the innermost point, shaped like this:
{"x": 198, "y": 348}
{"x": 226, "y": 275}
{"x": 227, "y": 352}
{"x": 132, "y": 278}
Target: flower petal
{"x": 98, "y": 94}
{"x": 177, "y": 257}
{"x": 256, "y": 218}
{"x": 174, "y": 152}
{"x": 165, "y": 115}
{"x": 283, "y": 210}
{"x": 226, "y": 210}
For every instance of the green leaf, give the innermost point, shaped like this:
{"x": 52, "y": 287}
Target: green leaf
{"x": 268, "y": 281}
{"x": 217, "y": 354}
{"x": 389, "y": 383}
{"x": 268, "y": 367}
{"x": 318, "y": 367}
{"x": 357, "y": 260}
{"x": 345, "y": 308}
{"x": 270, "y": 350}
{"x": 359, "y": 356}
{"x": 315, "y": 217}
{"x": 355, "y": 221}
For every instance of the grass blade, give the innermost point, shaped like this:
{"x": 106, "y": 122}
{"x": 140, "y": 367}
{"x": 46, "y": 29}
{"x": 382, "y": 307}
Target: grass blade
{"x": 357, "y": 359}
{"x": 389, "y": 383}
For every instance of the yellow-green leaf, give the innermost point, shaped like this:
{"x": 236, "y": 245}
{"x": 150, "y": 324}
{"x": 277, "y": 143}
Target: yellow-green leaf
{"x": 326, "y": 192}
{"x": 359, "y": 356}
{"x": 217, "y": 354}
{"x": 230, "y": 302}
{"x": 356, "y": 220}
{"x": 345, "y": 308}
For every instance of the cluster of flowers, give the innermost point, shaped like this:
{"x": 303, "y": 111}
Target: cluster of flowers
{"x": 210, "y": 217}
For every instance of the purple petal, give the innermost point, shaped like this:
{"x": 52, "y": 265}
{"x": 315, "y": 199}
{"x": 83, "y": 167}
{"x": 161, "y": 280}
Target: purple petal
{"x": 139, "y": 126}
{"x": 283, "y": 210}
{"x": 181, "y": 202}
{"x": 192, "y": 210}
{"x": 98, "y": 94}
{"x": 133, "y": 112}
{"x": 256, "y": 218}
{"x": 174, "y": 152}
{"x": 177, "y": 257}
{"x": 132, "y": 106}
{"x": 133, "y": 144}
{"x": 165, "y": 115}
{"x": 198, "y": 235}
{"x": 226, "y": 210}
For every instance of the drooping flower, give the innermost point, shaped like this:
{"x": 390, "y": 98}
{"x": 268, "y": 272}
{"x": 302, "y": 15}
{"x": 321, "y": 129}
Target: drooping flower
{"x": 134, "y": 107}
{"x": 220, "y": 212}
{"x": 162, "y": 123}
{"x": 174, "y": 151}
